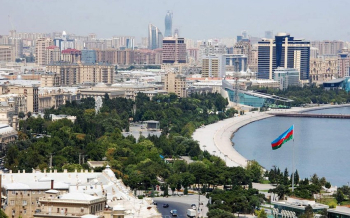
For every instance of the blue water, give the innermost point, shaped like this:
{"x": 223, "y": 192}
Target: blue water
{"x": 321, "y": 145}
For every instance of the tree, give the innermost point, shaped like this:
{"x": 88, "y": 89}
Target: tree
{"x": 218, "y": 213}
{"x": 3, "y": 214}
{"x": 255, "y": 170}
{"x": 339, "y": 196}
{"x": 296, "y": 177}
{"x": 280, "y": 190}
{"x": 261, "y": 213}
{"x": 21, "y": 115}
{"x": 29, "y": 114}
{"x": 308, "y": 212}
{"x": 328, "y": 185}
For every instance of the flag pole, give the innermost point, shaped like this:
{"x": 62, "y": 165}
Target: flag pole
{"x": 293, "y": 162}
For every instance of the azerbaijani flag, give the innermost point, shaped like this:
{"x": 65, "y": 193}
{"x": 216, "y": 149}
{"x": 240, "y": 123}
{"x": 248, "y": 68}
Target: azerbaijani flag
{"x": 285, "y": 137}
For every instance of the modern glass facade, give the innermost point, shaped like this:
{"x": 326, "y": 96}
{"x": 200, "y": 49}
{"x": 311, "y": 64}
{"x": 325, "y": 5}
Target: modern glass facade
{"x": 284, "y": 51}
{"x": 246, "y": 99}
{"x": 168, "y": 24}
{"x": 88, "y": 56}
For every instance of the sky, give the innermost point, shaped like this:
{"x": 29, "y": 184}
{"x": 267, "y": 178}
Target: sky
{"x": 195, "y": 19}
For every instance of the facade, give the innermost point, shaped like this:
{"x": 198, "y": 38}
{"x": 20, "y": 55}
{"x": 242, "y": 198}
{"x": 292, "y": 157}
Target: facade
{"x": 17, "y": 46}
{"x": 53, "y": 54}
{"x": 53, "y": 97}
{"x": 106, "y": 56}
{"x": 7, "y": 53}
{"x": 71, "y": 55}
{"x": 245, "y": 48}
{"x": 286, "y": 77}
{"x": 155, "y": 37}
{"x": 168, "y": 24}
{"x": 323, "y": 69}
{"x": 50, "y": 80}
{"x": 328, "y": 47}
{"x": 174, "y": 50}
{"x": 283, "y": 51}
{"x": 41, "y": 57}
{"x": 29, "y": 91}
{"x": 213, "y": 66}
{"x": 175, "y": 83}
{"x": 343, "y": 64}
{"x": 207, "y": 49}
{"x": 147, "y": 56}
{"x": 73, "y": 74}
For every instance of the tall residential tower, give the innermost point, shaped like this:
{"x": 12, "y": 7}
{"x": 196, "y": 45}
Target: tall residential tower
{"x": 168, "y": 24}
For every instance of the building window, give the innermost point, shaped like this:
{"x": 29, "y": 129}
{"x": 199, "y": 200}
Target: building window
{"x": 13, "y": 192}
{"x": 12, "y": 202}
{"x": 24, "y": 202}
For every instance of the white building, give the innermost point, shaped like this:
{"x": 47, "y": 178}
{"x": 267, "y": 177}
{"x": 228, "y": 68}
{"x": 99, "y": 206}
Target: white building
{"x": 287, "y": 77}
{"x": 213, "y": 66}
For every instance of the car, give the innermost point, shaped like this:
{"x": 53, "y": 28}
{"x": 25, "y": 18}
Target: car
{"x": 154, "y": 203}
{"x": 193, "y": 206}
{"x": 173, "y": 212}
{"x": 165, "y": 205}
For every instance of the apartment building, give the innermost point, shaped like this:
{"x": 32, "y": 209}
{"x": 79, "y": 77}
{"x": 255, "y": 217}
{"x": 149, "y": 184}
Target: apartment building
{"x": 175, "y": 83}
{"x": 41, "y": 56}
{"x": 7, "y": 53}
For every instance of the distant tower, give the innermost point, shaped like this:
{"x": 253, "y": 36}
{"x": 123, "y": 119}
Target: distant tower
{"x": 168, "y": 24}
{"x": 176, "y": 33}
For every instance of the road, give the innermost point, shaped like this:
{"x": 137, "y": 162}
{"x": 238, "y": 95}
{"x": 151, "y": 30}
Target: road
{"x": 181, "y": 204}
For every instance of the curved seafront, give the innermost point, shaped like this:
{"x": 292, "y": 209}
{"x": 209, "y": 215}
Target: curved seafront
{"x": 216, "y": 138}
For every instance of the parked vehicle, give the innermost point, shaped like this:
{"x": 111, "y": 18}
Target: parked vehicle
{"x": 193, "y": 206}
{"x": 165, "y": 205}
{"x": 191, "y": 213}
{"x": 173, "y": 212}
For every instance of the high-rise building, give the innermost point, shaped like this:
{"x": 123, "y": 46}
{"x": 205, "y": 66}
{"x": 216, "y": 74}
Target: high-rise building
{"x": 73, "y": 74}
{"x": 283, "y": 51}
{"x": 155, "y": 37}
{"x": 213, "y": 66}
{"x": 17, "y": 45}
{"x": 168, "y": 24}
{"x": 236, "y": 62}
{"x": 344, "y": 63}
{"x": 245, "y": 48}
{"x": 174, "y": 50}
{"x": 7, "y": 53}
{"x": 41, "y": 51}
{"x": 53, "y": 54}
{"x": 88, "y": 56}
{"x": 269, "y": 34}
{"x": 328, "y": 47}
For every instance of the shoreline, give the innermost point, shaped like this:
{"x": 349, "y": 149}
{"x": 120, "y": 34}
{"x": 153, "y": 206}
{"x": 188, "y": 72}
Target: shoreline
{"x": 216, "y": 138}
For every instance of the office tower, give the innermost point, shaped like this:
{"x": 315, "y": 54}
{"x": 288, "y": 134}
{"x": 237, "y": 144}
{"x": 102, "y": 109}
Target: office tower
{"x": 283, "y": 51}
{"x": 174, "y": 50}
{"x": 176, "y": 32}
{"x": 168, "y": 24}
{"x": 236, "y": 62}
{"x": 327, "y": 47}
{"x": 213, "y": 66}
{"x": 41, "y": 51}
{"x": 269, "y": 34}
{"x": 155, "y": 37}
{"x": 286, "y": 77}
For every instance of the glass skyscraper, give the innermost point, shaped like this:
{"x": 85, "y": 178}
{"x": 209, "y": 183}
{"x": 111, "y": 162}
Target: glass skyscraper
{"x": 168, "y": 24}
{"x": 283, "y": 51}
{"x": 155, "y": 37}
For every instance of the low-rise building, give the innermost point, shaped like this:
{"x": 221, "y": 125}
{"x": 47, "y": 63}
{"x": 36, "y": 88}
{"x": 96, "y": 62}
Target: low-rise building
{"x": 323, "y": 69}
{"x": 286, "y": 77}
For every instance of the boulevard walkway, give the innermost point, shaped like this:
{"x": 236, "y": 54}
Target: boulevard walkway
{"x": 216, "y": 138}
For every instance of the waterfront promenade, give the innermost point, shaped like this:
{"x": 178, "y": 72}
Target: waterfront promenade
{"x": 216, "y": 138}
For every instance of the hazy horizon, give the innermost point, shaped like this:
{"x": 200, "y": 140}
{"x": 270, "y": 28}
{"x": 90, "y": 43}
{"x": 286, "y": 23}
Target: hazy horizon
{"x": 195, "y": 19}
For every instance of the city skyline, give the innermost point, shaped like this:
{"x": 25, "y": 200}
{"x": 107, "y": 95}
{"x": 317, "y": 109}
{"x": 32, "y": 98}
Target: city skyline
{"x": 195, "y": 19}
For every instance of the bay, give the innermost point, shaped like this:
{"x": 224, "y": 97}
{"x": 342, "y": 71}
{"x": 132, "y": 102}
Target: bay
{"x": 321, "y": 145}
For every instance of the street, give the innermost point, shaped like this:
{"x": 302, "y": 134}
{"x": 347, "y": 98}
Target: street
{"x": 181, "y": 204}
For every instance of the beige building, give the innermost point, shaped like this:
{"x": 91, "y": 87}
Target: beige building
{"x": 7, "y": 53}
{"x": 213, "y": 66}
{"x": 70, "y": 205}
{"x": 328, "y": 47}
{"x": 73, "y": 74}
{"x": 50, "y": 80}
{"x": 29, "y": 91}
{"x": 175, "y": 83}
{"x": 56, "y": 96}
{"x": 53, "y": 54}
{"x": 174, "y": 50}
{"x": 323, "y": 69}
{"x": 41, "y": 56}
